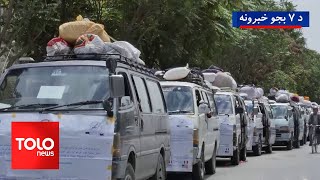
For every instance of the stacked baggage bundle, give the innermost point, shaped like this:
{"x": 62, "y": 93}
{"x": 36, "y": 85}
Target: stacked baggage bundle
{"x": 84, "y": 38}
{"x": 282, "y": 96}
{"x": 193, "y": 75}
{"x": 186, "y": 74}
{"x": 217, "y": 77}
{"x": 252, "y": 92}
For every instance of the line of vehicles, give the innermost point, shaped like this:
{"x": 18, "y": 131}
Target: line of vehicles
{"x": 222, "y": 123}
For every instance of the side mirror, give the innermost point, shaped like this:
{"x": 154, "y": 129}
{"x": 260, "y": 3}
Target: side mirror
{"x": 117, "y": 86}
{"x": 239, "y": 110}
{"x": 286, "y": 117}
{"x": 255, "y": 110}
{"x": 107, "y": 105}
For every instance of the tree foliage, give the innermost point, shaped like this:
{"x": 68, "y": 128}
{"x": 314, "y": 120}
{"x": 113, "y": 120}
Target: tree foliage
{"x": 175, "y": 32}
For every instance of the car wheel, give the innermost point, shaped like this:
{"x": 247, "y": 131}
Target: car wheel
{"x": 198, "y": 170}
{"x": 290, "y": 144}
{"x": 129, "y": 173}
{"x": 235, "y": 159}
{"x": 243, "y": 154}
{"x": 301, "y": 143}
{"x": 297, "y": 144}
{"x": 161, "y": 170}
{"x": 269, "y": 149}
{"x": 211, "y": 164}
{"x": 257, "y": 149}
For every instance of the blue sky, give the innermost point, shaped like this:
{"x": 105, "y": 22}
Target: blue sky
{"x": 312, "y": 34}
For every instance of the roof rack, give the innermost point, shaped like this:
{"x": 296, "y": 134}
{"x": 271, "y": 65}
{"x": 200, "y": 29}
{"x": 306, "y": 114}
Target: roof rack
{"x": 195, "y": 76}
{"x": 133, "y": 64}
{"x": 226, "y": 89}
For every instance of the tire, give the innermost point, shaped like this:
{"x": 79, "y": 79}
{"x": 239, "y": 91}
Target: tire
{"x": 161, "y": 170}
{"x": 257, "y": 149}
{"x": 211, "y": 164}
{"x": 198, "y": 170}
{"x": 235, "y": 159}
{"x": 290, "y": 144}
{"x": 269, "y": 149}
{"x": 297, "y": 144}
{"x": 301, "y": 143}
{"x": 129, "y": 173}
{"x": 243, "y": 154}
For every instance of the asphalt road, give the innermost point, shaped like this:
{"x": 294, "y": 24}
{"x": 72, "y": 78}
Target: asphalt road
{"x": 297, "y": 164}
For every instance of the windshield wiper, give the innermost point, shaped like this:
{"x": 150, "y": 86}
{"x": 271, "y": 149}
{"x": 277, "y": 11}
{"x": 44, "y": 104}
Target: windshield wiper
{"x": 179, "y": 111}
{"x": 223, "y": 114}
{"x": 81, "y": 103}
{"x": 26, "y": 106}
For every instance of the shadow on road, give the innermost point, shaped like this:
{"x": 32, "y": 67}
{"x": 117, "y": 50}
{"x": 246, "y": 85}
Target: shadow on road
{"x": 183, "y": 177}
{"x": 280, "y": 148}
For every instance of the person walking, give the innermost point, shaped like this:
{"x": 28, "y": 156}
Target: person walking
{"x": 314, "y": 120}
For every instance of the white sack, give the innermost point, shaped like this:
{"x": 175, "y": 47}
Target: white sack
{"x": 112, "y": 48}
{"x": 89, "y": 44}
{"x": 176, "y": 73}
{"x": 224, "y": 80}
{"x": 125, "y": 49}
{"x": 282, "y": 98}
{"x": 134, "y": 51}
{"x": 250, "y": 91}
{"x": 273, "y": 92}
{"x": 209, "y": 77}
{"x": 259, "y": 92}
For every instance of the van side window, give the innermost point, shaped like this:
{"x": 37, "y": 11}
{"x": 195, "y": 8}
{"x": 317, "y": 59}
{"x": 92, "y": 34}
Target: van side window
{"x": 156, "y": 97}
{"x": 236, "y": 102}
{"x": 127, "y": 99}
{"x": 142, "y": 94}
{"x": 205, "y": 97}
{"x": 212, "y": 103}
{"x": 198, "y": 96}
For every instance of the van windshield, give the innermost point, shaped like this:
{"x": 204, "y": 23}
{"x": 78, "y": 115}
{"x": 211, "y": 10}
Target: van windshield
{"x": 179, "y": 99}
{"x": 279, "y": 112}
{"x": 56, "y": 85}
{"x": 224, "y": 104}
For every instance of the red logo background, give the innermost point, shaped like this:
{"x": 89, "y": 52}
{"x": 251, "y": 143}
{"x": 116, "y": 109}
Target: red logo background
{"x": 26, "y": 159}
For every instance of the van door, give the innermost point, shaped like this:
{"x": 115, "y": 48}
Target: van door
{"x": 202, "y": 124}
{"x": 238, "y": 117}
{"x": 128, "y": 123}
{"x": 146, "y": 163}
{"x": 209, "y": 142}
{"x": 215, "y": 122}
{"x": 160, "y": 115}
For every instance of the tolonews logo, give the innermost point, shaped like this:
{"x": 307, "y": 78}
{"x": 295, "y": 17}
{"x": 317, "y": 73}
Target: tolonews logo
{"x": 35, "y": 145}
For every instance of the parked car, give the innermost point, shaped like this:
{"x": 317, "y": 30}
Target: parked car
{"x": 233, "y": 126}
{"x": 284, "y": 122}
{"x": 98, "y": 86}
{"x": 196, "y": 102}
